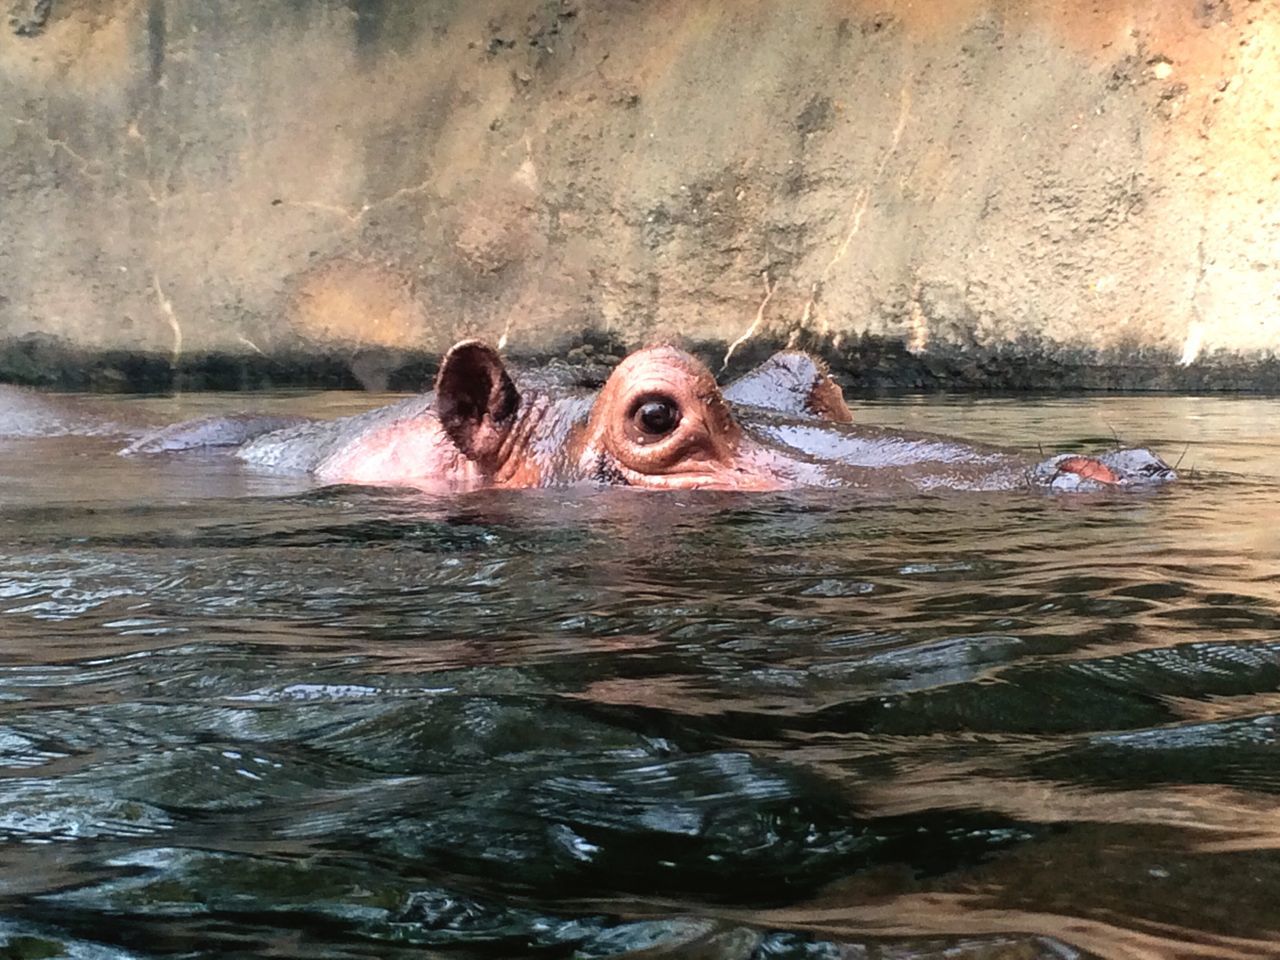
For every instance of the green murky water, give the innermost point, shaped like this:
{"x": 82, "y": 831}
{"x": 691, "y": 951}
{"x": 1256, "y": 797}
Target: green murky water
{"x": 243, "y": 717}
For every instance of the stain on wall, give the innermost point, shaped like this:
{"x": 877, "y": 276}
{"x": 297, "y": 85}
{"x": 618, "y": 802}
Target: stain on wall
{"x": 958, "y": 189}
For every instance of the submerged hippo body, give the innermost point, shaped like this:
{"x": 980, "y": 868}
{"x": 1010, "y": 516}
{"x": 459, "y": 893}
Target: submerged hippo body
{"x": 659, "y": 421}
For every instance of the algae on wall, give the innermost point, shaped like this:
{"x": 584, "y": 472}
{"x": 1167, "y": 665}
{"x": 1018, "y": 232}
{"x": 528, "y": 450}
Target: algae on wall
{"x": 956, "y": 189}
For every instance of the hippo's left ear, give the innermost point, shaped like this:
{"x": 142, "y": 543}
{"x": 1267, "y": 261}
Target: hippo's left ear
{"x": 476, "y": 401}
{"x": 792, "y": 383}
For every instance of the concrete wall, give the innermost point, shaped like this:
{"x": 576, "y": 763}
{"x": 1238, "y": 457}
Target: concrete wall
{"x": 960, "y": 189}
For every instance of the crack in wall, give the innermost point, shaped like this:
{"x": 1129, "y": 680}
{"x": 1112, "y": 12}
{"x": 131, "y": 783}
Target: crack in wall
{"x": 82, "y": 162}
{"x": 167, "y": 311}
{"x": 353, "y": 219}
{"x": 751, "y": 331}
{"x": 1194, "y": 341}
{"x": 858, "y": 210}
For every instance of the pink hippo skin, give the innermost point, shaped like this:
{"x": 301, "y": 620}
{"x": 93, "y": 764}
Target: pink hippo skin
{"x": 660, "y": 421}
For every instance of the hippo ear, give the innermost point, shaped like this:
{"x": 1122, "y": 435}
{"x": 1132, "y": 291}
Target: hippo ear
{"x": 792, "y": 383}
{"x": 476, "y": 401}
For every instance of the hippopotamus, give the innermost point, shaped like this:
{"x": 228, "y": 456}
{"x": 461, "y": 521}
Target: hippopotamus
{"x": 659, "y": 421}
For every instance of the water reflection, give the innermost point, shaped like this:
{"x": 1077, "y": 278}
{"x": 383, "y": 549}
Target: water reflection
{"x": 238, "y": 715}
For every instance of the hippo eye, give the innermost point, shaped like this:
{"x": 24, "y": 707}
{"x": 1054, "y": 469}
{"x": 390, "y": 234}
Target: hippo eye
{"x": 655, "y": 417}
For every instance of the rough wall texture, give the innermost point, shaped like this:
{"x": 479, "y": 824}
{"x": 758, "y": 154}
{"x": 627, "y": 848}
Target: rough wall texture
{"x": 947, "y": 189}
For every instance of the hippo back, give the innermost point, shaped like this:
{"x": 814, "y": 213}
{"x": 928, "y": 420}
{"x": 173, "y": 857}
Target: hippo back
{"x": 27, "y": 413}
{"x": 303, "y": 447}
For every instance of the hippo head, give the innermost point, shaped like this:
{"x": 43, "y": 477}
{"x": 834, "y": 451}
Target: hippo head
{"x": 661, "y": 421}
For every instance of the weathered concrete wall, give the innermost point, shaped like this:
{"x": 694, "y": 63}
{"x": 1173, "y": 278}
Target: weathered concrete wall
{"x": 958, "y": 188}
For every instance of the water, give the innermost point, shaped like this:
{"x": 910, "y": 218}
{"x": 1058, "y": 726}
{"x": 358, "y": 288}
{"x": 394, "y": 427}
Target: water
{"x": 244, "y": 717}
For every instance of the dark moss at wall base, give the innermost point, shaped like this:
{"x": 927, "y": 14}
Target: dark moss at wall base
{"x": 883, "y": 364}
{"x": 868, "y": 365}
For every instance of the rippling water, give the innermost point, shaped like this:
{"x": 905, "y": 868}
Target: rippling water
{"x": 239, "y": 716}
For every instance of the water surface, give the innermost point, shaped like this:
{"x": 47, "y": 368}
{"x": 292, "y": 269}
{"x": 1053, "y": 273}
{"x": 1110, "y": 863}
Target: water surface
{"x": 243, "y": 716}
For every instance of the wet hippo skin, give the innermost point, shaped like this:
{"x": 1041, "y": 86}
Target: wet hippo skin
{"x": 659, "y": 421}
